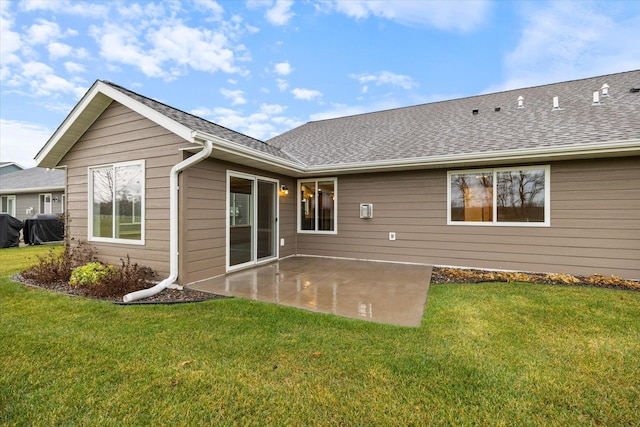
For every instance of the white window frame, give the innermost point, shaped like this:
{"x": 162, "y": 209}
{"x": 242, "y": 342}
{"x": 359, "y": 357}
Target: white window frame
{"x": 42, "y": 205}
{"x": 90, "y": 237}
{"x": 9, "y": 197}
{"x": 494, "y": 223}
{"x": 335, "y": 206}
{"x": 254, "y": 218}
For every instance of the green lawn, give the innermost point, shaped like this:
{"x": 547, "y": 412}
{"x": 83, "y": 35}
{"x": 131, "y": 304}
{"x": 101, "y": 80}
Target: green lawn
{"x": 490, "y": 354}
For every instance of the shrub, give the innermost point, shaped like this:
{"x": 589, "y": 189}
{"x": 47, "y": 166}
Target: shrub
{"x": 90, "y": 275}
{"x": 127, "y": 278}
{"x": 53, "y": 267}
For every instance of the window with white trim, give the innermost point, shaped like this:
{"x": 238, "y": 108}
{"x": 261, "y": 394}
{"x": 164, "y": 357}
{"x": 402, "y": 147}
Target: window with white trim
{"x": 8, "y": 205}
{"x": 116, "y": 208}
{"x": 45, "y": 203}
{"x": 318, "y": 205}
{"x": 502, "y": 196}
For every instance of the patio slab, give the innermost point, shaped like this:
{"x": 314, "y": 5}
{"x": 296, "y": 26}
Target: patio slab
{"x": 374, "y": 291}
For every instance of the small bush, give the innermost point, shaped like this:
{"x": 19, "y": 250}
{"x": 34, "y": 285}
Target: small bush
{"x": 90, "y": 275}
{"x": 53, "y": 268}
{"x": 127, "y": 278}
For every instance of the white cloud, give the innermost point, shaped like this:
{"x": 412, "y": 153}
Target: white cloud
{"x": 59, "y": 50}
{"x": 283, "y": 68}
{"x": 386, "y": 78}
{"x": 443, "y": 15}
{"x": 236, "y": 96}
{"x": 282, "y": 84}
{"x": 70, "y": 7}
{"x": 42, "y": 81}
{"x": 167, "y": 49}
{"x": 280, "y": 13}
{"x": 272, "y": 108}
{"x": 43, "y": 32}
{"x": 73, "y": 67}
{"x": 21, "y": 141}
{"x": 211, "y": 7}
{"x": 263, "y": 124}
{"x": 119, "y": 43}
{"x": 11, "y": 43}
{"x": 569, "y": 40}
{"x": 201, "y": 49}
{"x": 306, "y": 94}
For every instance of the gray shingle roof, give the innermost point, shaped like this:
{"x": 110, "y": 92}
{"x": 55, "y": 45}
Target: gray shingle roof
{"x": 199, "y": 124}
{"x": 32, "y": 178}
{"x": 450, "y": 128}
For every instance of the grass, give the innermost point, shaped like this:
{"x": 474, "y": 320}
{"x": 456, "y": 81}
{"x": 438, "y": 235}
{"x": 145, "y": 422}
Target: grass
{"x": 490, "y": 354}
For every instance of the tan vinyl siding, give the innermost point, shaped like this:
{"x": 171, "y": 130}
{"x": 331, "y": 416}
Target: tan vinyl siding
{"x": 119, "y": 135}
{"x": 203, "y": 221}
{"x": 595, "y": 223}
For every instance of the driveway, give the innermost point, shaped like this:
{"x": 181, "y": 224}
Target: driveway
{"x": 375, "y": 291}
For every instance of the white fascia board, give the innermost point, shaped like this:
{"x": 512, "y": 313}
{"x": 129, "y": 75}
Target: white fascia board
{"x": 99, "y": 97}
{"x": 626, "y": 147}
{"x": 66, "y": 125}
{"x": 629, "y": 147}
{"x": 32, "y": 190}
{"x": 7, "y": 164}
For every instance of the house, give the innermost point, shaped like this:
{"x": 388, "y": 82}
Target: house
{"x": 8, "y": 167}
{"x": 542, "y": 179}
{"x": 25, "y": 193}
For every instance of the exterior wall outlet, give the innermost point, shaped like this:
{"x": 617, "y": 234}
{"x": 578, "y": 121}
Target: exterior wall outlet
{"x": 392, "y": 236}
{"x": 281, "y": 242}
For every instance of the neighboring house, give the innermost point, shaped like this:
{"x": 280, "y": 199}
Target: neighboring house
{"x": 29, "y": 192}
{"x": 9, "y": 167}
{"x": 516, "y": 180}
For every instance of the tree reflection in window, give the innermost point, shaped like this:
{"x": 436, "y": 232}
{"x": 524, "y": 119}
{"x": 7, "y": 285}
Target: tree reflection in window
{"x": 520, "y": 196}
{"x": 499, "y": 196}
{"x": 117, "y": 201}
{"x": 472, "y": 196}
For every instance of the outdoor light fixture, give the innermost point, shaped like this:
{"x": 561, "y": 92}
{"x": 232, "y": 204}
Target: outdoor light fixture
{"x": 284, "y": 189}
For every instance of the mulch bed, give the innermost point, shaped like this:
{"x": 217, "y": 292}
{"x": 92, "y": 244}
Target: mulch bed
{"x": 443, "y": 275}
{"x": 167, "y": 296}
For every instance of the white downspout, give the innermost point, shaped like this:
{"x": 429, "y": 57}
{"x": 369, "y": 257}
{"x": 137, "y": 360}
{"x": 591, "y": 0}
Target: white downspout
{"x": 173, "y": 226}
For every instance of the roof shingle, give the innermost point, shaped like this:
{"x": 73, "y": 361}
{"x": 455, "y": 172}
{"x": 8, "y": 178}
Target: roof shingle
{"x": 450, "y": 127}
{"x": 199, "y": 124}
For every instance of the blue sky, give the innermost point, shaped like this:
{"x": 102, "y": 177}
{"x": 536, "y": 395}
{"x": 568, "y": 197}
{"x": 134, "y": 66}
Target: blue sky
{"x": 264, "y": 67}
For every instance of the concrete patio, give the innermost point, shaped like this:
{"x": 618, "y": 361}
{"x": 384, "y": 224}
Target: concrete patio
{"x": 374, "y": 291}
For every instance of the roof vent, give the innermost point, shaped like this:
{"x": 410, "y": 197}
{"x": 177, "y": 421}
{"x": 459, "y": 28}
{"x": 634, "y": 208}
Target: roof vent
{"x": 497, "y": 109}
{"x": 634, "y": 90}
{"x": 605, "y": 90}
{"x": 475, "y": 112}
{"x": 556, "y": 104}
{"x": 520, "y": 102}
{"x": 596, "y": 98}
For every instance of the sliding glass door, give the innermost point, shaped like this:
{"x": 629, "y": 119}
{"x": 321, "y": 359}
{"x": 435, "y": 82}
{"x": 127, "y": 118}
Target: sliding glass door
{"x": 252, "y": 220}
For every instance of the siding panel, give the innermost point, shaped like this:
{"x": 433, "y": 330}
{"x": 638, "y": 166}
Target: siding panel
{"x": 595, "y": 223}
{"x": 203, "y": 250}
